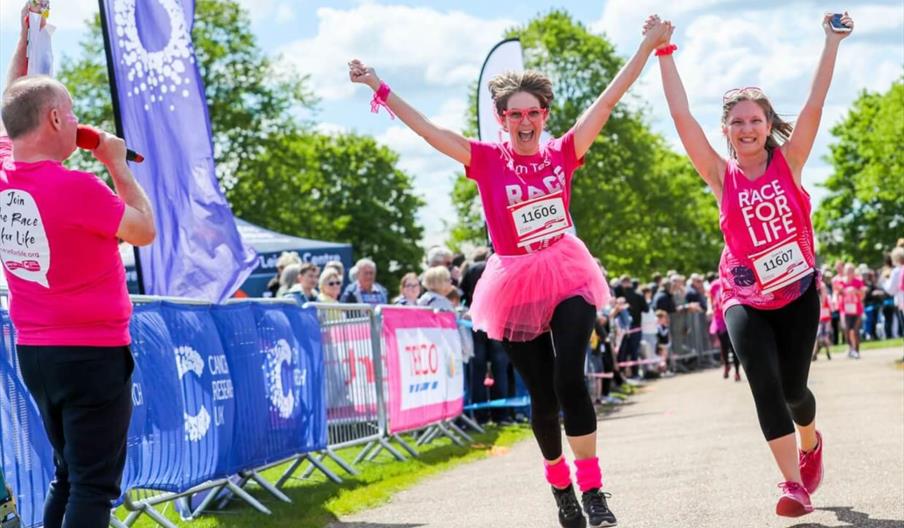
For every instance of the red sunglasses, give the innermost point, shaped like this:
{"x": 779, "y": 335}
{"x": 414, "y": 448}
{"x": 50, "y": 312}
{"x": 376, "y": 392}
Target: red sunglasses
{"x": 517, "y": 115}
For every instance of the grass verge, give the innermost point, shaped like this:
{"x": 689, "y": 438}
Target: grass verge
{"x": 870, "y": 345}
{"x": 317, "y": 501}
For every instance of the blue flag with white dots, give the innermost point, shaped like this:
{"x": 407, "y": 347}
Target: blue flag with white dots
{"x": 162, "y": 105}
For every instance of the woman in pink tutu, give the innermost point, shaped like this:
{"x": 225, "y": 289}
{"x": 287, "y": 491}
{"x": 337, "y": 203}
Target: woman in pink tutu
{"x": 540, "y": 292}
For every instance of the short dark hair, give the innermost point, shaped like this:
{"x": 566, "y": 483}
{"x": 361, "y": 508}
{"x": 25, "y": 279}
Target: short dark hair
{"x": 509, "y": 83}
{"x": 24, "y": 100}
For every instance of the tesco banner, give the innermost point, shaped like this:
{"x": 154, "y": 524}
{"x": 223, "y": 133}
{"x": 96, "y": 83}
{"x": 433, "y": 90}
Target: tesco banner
{"x": 426, "y": 375}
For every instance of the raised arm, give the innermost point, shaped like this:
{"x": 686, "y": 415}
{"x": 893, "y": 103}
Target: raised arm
{"x": 18, "y": 65}
{"x": 594, "y": 118}
{"x": 703, "y": 156}
{"x": 137, "y": 225}
{"x": 797, "y": 148}
{"x": 448, "y": 142}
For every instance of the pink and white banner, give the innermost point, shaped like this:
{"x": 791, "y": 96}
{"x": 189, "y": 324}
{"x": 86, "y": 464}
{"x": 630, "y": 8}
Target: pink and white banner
{"x": 426, "y": 375}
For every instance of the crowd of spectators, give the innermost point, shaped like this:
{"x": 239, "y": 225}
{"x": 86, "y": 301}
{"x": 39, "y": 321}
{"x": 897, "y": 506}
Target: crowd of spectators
{"x": 632, "y": 337}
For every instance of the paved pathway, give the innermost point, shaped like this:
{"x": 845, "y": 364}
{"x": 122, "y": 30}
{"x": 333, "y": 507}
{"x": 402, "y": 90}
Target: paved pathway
{"x": 687, "y": 452}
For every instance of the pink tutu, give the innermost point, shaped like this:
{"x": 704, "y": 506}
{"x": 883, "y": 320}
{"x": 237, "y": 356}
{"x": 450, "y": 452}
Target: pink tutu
{"x": 516, "y": 295}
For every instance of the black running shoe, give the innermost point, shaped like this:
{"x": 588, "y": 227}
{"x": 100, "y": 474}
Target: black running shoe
{"x": 597, "y": 510}
{"x": 570, "y": 515}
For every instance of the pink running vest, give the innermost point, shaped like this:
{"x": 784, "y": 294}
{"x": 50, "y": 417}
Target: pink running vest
{"x": 768, "y": 260}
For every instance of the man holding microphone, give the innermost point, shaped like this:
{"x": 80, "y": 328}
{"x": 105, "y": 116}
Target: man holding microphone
{"x": 59, "y": 232}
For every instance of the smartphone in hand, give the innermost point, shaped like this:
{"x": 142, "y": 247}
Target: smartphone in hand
{"x": 837, "y": 25}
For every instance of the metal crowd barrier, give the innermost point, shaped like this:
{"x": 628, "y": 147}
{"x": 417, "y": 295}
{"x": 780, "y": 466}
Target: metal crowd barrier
{"x": 689, "y": 343}
{"x": 355, "y": 382}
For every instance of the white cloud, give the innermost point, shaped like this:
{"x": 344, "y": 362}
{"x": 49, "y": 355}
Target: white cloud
{"x": 409, "y": 46}
{"x": 269, "y": 11}
{"x": 285, "y": 13}
{"x": 433, "y": 172}
{"x": 722, "y": 47}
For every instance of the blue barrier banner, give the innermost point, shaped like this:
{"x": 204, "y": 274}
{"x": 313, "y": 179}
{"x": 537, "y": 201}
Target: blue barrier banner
{"x": 306, "y": 327}
{"x": 155, "y": 456}
{"x": 277, "y": 389}
{"x": 207, "y": 391}
{"x": 25, "y": 453}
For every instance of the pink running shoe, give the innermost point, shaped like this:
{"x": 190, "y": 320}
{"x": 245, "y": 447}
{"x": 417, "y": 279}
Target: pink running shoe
{"x": 811, "y": 466}
{"x": 794, "y": 502}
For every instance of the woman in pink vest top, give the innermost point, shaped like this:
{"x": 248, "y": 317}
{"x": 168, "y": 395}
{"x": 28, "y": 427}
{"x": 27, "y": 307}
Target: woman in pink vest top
{"x": 768, "y": 273}
{"x": 540, "y": 291}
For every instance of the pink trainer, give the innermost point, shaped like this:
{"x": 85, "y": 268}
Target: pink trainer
{"x": 811, "y": 466}
{"x": 794, "y": 502}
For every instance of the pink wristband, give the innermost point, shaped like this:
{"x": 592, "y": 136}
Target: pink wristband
{"x": 667, "y": 50}
{"x": 379, "y": 99}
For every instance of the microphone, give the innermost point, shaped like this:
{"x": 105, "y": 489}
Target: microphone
{"x": 87, "y": 137}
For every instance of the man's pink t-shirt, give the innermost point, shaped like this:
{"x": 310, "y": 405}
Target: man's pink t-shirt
{"x": 60, "y": 255}
{"x": 506, "y": 178}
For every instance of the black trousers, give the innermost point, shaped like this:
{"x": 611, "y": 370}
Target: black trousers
{"x": 490, "y": 351}
{"x": 84, "y": 395}
{"x": 552, "y": 366}
{"x": 776, "y": 347}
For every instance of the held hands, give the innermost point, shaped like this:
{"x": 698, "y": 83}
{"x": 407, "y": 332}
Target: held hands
{"x": 358, "y": 72}
{"x": 837, "y": 36}
{"x": 657, "y": 33}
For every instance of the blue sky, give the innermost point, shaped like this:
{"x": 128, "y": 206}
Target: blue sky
{"x": 430, "y": 52}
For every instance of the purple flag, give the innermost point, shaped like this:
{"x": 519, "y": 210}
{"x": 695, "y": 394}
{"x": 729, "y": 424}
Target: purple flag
{"x": 162, "y": 113}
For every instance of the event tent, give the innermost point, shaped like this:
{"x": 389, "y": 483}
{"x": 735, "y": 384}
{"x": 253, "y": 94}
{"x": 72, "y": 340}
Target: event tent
{"x": 269, "y": 245}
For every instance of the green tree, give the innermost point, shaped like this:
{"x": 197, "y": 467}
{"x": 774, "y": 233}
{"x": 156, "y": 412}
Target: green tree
{"x": 275, "y": 169}
{"x": 863, "y": 214}
{"x": 345, "y": 187}
{"x": 637, "y": 205}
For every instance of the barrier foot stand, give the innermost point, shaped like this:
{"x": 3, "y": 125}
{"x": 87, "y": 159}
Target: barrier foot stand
{"x": 432, "y": 434}
{"x": 308, "y": 471}
{"x": 364, "y": 452}
{"x": 426, "y": 436}
{"x": 136, "y": 509}
{"x": 211, "y": 495}
{"x": 225, "y": 496}
{"x": 349, "y": 468}
{"x": 153, "y": 514}
{"x": 445, "y": 430}
{"x": 267, "y": 486}
{"x": 387, "y": 446}
{"x": 460, "y": 432}
{"x": 384, "y": 444}
{"x": 242, "y": 494}
{"x": 287, "y": 474}
{"x": 315, "y": 463}
{"x": 472, "y": 423}
{"x": 405, "y": 446}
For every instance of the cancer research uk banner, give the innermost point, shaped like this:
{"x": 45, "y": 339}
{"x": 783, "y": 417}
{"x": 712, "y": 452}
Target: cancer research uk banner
{"x": 160, "y": 96}
{"x": 426, "y": 374}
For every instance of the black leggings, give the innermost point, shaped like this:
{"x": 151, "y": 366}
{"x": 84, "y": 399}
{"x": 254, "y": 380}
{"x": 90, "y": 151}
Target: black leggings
{"x": 725, "y": 344}
{"x": 552, "y": 366}
{"x": 775, "y": 347}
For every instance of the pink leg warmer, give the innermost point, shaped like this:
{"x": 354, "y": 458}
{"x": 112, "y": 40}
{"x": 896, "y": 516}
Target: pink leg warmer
{"x": 588, "y": 474}
{"x": 558, "y": 474}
